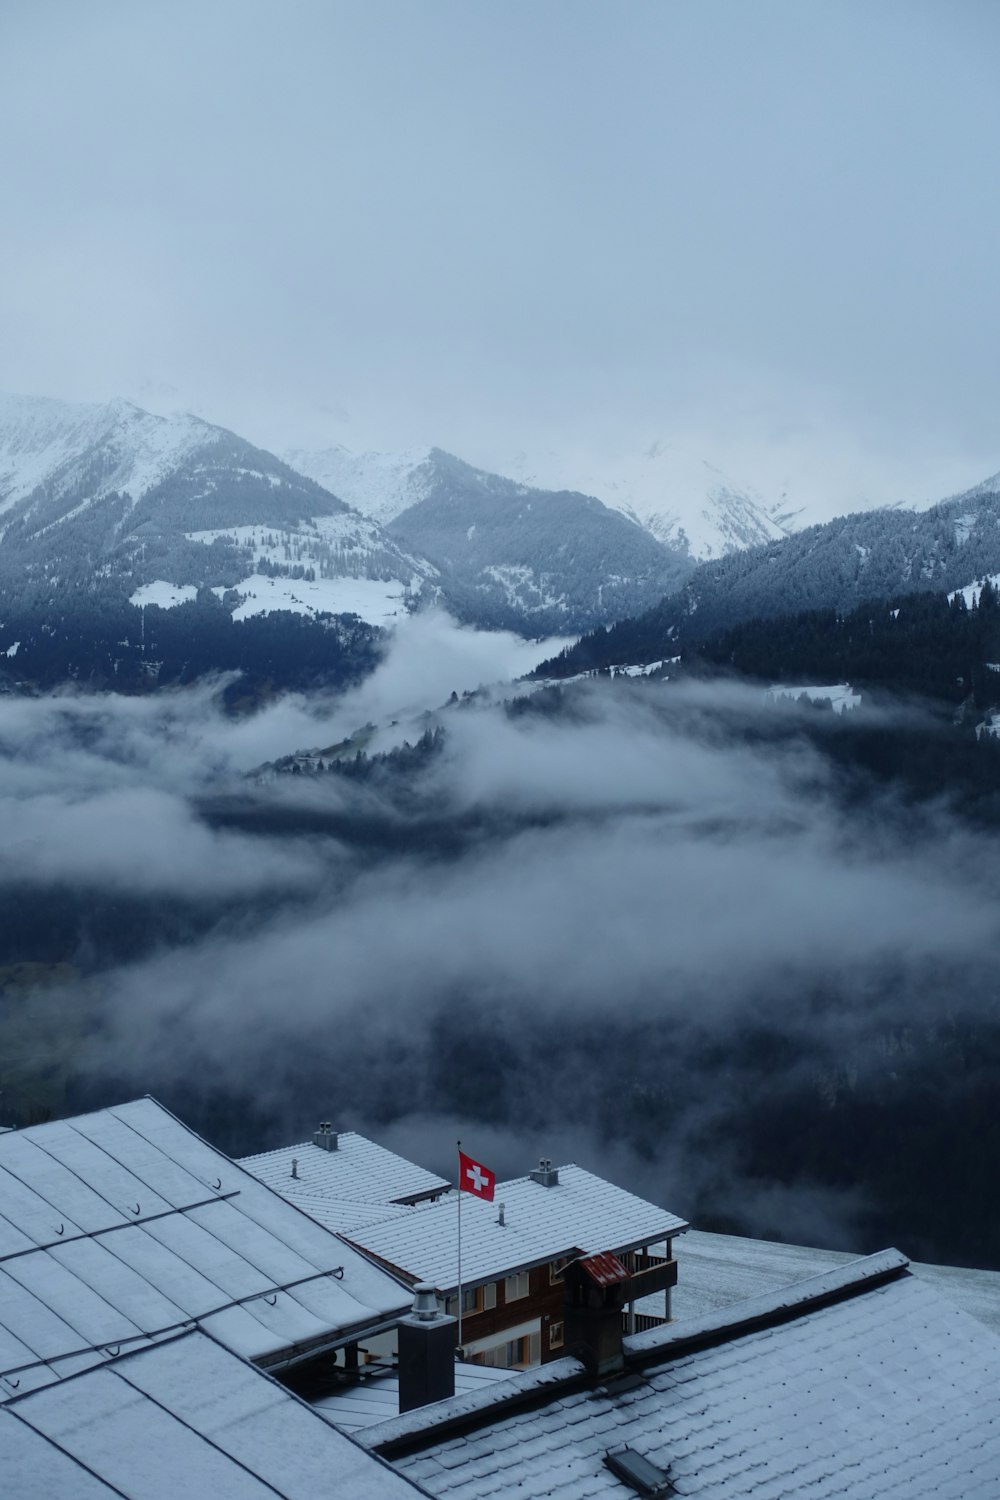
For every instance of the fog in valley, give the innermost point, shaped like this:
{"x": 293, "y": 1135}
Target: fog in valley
{"x": 643, "y": 925}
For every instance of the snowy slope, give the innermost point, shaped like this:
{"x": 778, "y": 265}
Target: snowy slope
{"x": 54, "y": 442}
{"x": 508, "y": 554}
{"x": 380, "y": 485}
{"x": 111, "y": 500}
{"x": 685, "y": 503}
{"x": 340, "y": 564}
{"x": 682, "y": 499}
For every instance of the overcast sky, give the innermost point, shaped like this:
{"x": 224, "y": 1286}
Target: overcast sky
{"x": 764, "y": 231}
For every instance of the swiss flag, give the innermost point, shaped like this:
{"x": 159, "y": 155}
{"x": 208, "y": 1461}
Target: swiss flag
{"x": 474, "y": 1178}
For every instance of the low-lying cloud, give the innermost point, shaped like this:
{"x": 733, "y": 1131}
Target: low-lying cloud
{"x": 635, "y": 890}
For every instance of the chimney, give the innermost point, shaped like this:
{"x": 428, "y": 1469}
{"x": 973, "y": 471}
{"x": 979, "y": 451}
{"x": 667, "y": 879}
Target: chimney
{"x": 501, "y": 1208}
{"x": 594, "y": 1302}
{"x": 324, "y": 1137}
{"x": 545, "y": 1173}
{"x": 426, "y": 1352}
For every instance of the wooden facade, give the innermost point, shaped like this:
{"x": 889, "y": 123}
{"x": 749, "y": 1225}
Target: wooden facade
{"x": 513, "y": 1328}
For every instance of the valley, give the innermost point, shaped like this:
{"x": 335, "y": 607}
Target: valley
{"x": 706, "y": 893}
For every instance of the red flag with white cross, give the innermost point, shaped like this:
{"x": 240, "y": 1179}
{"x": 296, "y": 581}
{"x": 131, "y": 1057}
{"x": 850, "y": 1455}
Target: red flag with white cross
{"x": 474, "y": 1178}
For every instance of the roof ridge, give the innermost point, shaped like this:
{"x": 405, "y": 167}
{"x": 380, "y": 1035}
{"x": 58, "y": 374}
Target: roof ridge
{"x": 529, "y": 1388}
{"x": 443, "y": 1419}
{"x": 778, "y": 1306}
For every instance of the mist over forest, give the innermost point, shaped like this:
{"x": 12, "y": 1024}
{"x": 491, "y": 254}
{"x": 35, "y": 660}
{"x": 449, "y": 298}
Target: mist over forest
{"x": 671, "y": 929}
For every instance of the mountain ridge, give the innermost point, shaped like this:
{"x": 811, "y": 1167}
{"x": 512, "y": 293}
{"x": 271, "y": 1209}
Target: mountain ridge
{"x": 837, "y": 565}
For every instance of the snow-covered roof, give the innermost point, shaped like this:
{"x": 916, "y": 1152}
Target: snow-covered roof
{"x": 376, "y": 1398}
{"x": 715, "y": 1270}
{"x": 122, "y": 1226}
{"x": 359, "y": 1171}
{"x": 340, "y": 1215}
{"x": 182, "y": 1418}
{"x": 581, "y": 1213}
{"x": 859, "y": 1383}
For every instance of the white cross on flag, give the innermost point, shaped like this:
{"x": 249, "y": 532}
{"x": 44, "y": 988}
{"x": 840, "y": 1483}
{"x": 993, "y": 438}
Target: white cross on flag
{"x": 474, "y": 1178}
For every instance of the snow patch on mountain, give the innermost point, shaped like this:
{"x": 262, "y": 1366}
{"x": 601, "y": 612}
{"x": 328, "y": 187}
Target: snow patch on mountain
{"x": 340, "y": 564}
{"x": 380, "y": 485}
{"x": 163, "y": 594}
{"x": 971, "y": 592}
{"x": 345, "y": 544}
{"x": 375, "y": 602}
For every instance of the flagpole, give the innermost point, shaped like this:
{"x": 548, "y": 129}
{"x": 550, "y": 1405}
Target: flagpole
{"x": 459, "y": 1244}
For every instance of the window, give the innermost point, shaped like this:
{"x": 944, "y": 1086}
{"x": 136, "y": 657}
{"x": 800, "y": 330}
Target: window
{"x": 474, "y": 1299}
{"x": 555, "y": 1335}
{"x": 515, "y": 1354}
{"x": 556, "y": 1268}
{"x": 515, "y": 1286}
{"x": 524, "y": 1351}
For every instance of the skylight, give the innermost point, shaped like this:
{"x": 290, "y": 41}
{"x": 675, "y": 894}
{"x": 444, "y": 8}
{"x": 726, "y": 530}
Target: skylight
{"x": 645, "y": 1478}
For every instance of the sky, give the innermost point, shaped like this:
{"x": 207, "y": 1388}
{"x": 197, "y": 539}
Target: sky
{"x": 545, "y": 237}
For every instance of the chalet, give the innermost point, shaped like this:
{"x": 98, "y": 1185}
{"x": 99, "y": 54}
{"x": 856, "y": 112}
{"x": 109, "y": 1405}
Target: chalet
{"x": 514, "y": 1253}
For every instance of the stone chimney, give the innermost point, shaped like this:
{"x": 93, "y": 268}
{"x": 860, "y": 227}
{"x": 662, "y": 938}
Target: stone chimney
{"x": 426, "y": 1352}
{"x": 324, "y": 1137}
{"x": 594, "y": 1302}
{"x": 545, "y": 1173}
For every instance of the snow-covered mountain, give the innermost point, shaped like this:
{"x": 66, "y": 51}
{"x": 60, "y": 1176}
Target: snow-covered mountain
{"x": 509, "y": 554}
{"x": 685, "y": 501}
{"x": 108, "y": 499}
{"x": 112, "y": 501}
{"x": 115, "y": 447}
{"x": 687, "y": 504}
{"x": 876, "y": 554}
{"x": 380, "y": 485}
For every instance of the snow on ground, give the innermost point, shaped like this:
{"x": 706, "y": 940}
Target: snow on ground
{"x": 715, "y": 1270}
{"x": 643, "y": 671}
{"x": 515, "y": 580}
{"x": 841, "y": 694}
{"x": 972, "y": 591}
{"x": 305, "y": 542}
{"x": 13, "y": 650}
{"x": 377, "y": 602}
{"x": 165, "y": 594}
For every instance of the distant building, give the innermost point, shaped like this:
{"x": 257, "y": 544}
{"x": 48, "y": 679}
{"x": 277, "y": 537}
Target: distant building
{"x": 514, "y": 1252}
{"x": 344, "y": 1167}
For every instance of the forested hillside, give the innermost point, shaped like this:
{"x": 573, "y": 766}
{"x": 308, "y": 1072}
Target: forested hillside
{"x": 872, "y": 555}
{"x": 920, "y": 643}
{"x": 103, "y": 644}
{"x": 524, "y": 559}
